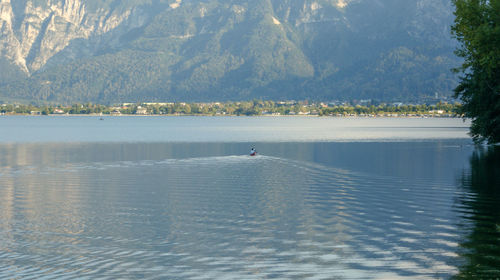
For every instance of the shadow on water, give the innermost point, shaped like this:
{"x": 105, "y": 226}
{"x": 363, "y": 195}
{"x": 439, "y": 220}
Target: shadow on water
{"x": 481, "y": 213}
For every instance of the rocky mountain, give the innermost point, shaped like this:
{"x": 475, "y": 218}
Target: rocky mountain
{"x": 111, "y": 51}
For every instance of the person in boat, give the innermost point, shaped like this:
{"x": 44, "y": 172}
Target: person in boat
{"x": 253, "y": 152}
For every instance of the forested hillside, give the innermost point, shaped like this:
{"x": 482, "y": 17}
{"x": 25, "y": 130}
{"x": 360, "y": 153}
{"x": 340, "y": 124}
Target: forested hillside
{"x": 66, "y": 51}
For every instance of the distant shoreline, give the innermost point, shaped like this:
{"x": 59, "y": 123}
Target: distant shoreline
{"x": 249, "y": 108}
{"x": 251, "y": 116}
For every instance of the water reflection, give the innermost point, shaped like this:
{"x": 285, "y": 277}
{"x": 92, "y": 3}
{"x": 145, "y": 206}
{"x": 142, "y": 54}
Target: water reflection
{"x": 208, "y": 211}
{"x": 480, "y": 209}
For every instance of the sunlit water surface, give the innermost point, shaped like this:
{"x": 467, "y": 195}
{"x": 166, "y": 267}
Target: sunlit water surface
{"x": 16, "y": 129}
{"x": 333, "y": 209}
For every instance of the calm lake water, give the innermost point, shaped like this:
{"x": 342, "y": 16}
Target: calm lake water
{"x": 179, "y": 198}
{"x": 225, "y": 129}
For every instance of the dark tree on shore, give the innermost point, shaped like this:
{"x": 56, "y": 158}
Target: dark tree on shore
{"x": 477, "y": 28}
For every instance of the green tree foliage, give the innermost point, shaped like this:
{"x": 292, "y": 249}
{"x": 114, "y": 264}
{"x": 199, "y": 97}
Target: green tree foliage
{"x": 477, "y": 28}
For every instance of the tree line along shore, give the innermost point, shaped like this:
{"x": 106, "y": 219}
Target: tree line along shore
{"x": 249, "y": 108}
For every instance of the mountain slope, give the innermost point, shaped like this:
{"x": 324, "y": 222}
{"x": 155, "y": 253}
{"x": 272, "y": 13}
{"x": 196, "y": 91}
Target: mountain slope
{"x": 125, "y": 51}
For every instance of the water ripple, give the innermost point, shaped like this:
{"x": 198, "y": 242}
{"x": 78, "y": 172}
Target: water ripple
{"x": 223, "y": 217}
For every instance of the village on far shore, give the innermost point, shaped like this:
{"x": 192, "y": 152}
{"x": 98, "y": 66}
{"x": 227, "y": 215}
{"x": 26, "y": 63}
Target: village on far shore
{"x": 362, "y": 108}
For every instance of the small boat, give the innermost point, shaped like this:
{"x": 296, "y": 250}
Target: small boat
{"x": 253, "y": 154}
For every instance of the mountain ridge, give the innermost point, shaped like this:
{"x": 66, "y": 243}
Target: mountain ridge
{"x": 115, "y": 51}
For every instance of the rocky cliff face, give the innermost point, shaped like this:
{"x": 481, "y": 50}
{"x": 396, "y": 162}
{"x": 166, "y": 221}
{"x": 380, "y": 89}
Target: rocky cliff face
{"x": 32, "y": 32}
{"x": 106, "y": 51}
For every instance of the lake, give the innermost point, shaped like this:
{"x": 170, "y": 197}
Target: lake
{"x": 17, "y": 129}
{"x": 179, "y": 197}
